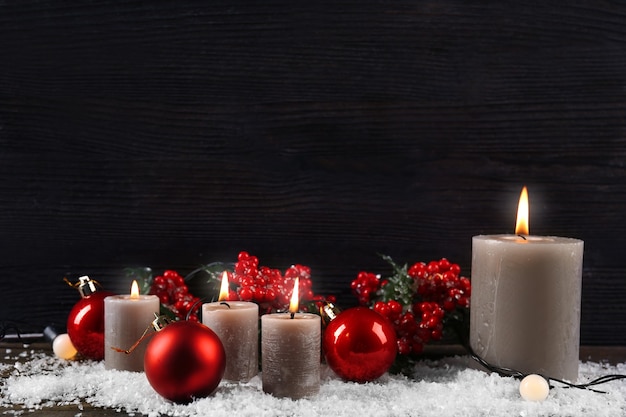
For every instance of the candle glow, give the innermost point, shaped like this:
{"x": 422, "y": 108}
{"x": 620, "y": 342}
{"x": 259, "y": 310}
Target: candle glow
{"x": 522, "y": 223}
{"x": 295, "y": 297}
{"x": 134, "y": 290}
{"x": 224, "y": 288}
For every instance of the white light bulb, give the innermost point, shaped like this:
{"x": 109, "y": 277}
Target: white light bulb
{"x": 534, "y": 388}
{"x": 62, "y": 347}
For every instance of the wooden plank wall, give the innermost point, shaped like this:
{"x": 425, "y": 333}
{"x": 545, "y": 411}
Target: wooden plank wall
{"x": 173, "y": 134}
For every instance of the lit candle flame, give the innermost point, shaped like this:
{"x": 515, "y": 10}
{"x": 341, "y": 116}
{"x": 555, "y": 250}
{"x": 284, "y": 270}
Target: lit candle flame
{"x": 224, "y": 288}
{"x": 134, "y": 290}
{"x": 295, "y": 297}
{"x": 521, "y": 225}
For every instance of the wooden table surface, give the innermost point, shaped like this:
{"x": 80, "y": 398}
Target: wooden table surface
{"x": 609, "y": 354}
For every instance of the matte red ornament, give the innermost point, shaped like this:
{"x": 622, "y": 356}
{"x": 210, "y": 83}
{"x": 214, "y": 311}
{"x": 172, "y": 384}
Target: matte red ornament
{"x": 185, "y": 360}
{"x": 85, "y": 325}
{"x": 359, "y": 344}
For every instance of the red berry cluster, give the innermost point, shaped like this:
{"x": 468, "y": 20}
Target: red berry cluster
{"x": 174, "y": 295}
{"x": 270, "y": 288}
{"x": 366, "y": 285}
{"x": 414, "y": 327}
{"x": 439, "y": 281}
{"x": 416, "y": 299}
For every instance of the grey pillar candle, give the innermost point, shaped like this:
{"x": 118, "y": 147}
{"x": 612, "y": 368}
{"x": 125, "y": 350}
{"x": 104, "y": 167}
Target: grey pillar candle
{"x": 126, "y": 318}
{"x": 290, "y": 352}
{"x": 237, "y": 325}
{"x": 525, "y": 303}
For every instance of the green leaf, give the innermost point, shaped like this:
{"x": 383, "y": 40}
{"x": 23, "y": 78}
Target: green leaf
{"x": 143, "y": 276}
{"x": 400, "y": 284}
{"x": 213, "y": 270}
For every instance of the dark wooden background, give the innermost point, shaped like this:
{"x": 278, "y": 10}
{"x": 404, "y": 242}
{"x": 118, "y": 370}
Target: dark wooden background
{"x": 173, "y": 134}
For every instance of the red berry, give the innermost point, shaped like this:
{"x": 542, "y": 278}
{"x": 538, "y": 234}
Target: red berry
{"x": 259, "y": 294}
{"x": 407, "y": 318}
{"x": 246, "y": 293}
{"x": 432, "y": 267}
{"x": 365, "y": 293}
{"x": 463, "y": 301}
{"x": 247, "y": 281}
{"x": 432, "y": 322}
{"x": 444, "y": 264}
{"x": 270, "y": 294}
{"x": 382, "y": 308}
{"x": 169, "y": 274}
{"x": 180, "y": 292}
{"x": 395, "y": 309}
{"x": 449, "y": 276}
{"x": 404, "y": 346}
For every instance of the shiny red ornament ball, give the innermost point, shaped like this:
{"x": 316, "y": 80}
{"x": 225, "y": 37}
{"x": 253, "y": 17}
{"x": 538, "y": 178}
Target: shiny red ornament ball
{"x": 85, "y": 325}
{"x": 359, "y": 344}
{"x": 185, "y": 360}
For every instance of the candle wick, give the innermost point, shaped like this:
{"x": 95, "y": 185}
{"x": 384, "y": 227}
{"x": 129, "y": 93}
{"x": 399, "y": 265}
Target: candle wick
{"x": 293, "y": 315}
{"x": 522, "y": 237}
{"x": 225, "y": 304}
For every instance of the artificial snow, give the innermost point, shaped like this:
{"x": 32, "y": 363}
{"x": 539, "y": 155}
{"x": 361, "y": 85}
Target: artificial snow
{"x": 450, "y": 387}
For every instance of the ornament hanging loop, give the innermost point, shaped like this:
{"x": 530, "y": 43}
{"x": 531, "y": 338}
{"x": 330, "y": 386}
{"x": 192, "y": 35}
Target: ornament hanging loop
{"x": 159, "y": 322}
{"x": 85, "y": 285}
{"x": 328, "y": 312}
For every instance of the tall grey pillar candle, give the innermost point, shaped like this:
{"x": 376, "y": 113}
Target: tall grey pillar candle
{"x": 525, "y": 303}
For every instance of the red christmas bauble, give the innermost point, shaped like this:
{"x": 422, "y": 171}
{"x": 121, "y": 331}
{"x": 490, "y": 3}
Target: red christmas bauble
{"x": 359, "y": 344}
{"x": 185, "y": 360}
{"x": 85, "y": 325}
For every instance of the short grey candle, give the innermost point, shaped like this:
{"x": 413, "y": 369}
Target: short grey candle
{"x": 126, "y": 318}
{"x": 290, "y": 351}
{"x": 237, "y": 325}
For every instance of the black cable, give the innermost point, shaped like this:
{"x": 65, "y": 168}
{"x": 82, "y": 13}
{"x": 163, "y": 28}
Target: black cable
{"x": 193, "y": 307}
{"x": 5, "y": 326}
{"x": 461, "y": 332}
